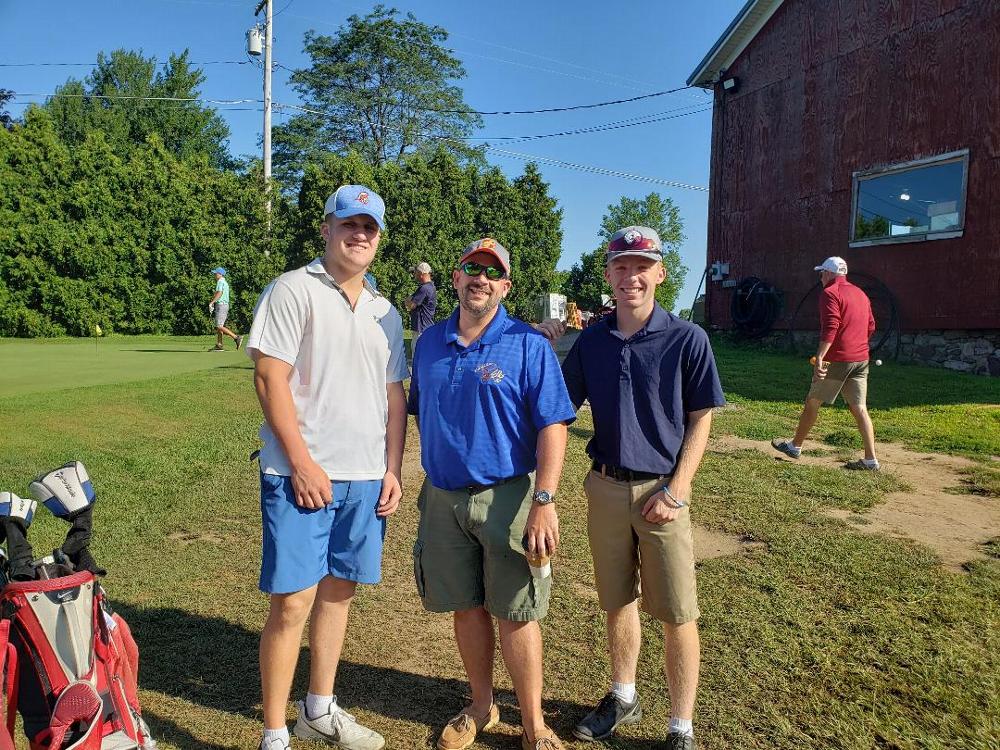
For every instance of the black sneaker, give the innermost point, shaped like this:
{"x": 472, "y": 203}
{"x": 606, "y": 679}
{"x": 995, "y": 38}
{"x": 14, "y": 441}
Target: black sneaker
{"x": 609, "y": 714}
{"x": 680, "y": 741}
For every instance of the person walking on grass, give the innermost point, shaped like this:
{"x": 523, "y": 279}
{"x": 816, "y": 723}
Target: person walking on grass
{"x": 492, "y": 410}
{"x": 218, "y": 308}
{"x": 846, "y": 324}
{"x": 329, "y": 371}
{"x": 652, "y": 383}
{"x": 423, "y": 303}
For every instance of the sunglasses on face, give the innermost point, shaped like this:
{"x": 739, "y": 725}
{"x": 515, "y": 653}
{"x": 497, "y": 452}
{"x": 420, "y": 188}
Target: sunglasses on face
{"x": 492, "y": 272}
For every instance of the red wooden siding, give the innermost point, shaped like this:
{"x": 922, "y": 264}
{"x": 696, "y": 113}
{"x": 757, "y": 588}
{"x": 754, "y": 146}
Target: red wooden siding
{"x": 830, "y": 87}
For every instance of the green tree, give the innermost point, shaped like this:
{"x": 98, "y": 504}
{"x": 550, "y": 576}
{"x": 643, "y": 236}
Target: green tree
{"x": 121, "y": 237}
{"x": 186, "y": 128}
{"x": 382, "y": 85}
{"x": 876, "y": 226}
{"x": 6, "y": 120}
{"x": 586, "y": 283}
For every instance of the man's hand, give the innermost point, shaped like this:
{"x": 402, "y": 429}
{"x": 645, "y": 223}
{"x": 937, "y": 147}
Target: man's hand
{"x": 312, "y": 486}
{"x": 552, "y": 328}
{"x": 819, "y": 369}
{"x": 211, "y": 307}
{"x": 542, "y": 529}
{"x": 660, "y": 509}
{"x": 392, "y": 491}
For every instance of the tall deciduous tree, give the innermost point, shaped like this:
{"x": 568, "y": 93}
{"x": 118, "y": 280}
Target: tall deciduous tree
{"x": 126, "y": 97}
{"x": 382, "y": 86}
{"x": 6, "y": 120}
{"x": 586, "y": 279}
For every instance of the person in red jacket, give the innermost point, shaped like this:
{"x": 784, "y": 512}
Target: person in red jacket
{"x": 841, "y": 366}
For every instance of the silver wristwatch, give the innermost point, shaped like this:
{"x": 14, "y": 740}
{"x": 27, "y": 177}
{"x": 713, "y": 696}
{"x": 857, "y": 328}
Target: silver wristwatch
{"x": 543, "y": 498}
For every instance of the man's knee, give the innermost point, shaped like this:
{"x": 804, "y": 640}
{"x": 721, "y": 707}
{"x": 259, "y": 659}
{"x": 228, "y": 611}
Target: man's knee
{"x": 290, "y": 610}
{"x": 813, "y": 404}
{"x": 858, "y": 410}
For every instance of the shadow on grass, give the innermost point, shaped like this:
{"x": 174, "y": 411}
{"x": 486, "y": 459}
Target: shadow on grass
{"x": 165, "y": 730}
{"x": 213, "y": 663}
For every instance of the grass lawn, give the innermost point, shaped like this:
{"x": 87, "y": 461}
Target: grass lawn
{"x": 821, "y": 638}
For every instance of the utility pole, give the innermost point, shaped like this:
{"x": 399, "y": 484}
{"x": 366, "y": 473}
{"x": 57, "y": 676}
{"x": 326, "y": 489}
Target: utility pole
{"x": 267, "y": 102}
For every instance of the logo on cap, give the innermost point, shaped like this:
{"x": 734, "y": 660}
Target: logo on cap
{"x": 488, "y": 244}
{"x": 633, "y": 236}
{"x": 363, "y": 198}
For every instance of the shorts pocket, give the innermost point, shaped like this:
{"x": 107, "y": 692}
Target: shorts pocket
{"x": 418, "y": 568}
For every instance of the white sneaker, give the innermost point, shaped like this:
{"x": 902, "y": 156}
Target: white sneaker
{"x": 336, "y": 727}
{"x": 274, "y": 745}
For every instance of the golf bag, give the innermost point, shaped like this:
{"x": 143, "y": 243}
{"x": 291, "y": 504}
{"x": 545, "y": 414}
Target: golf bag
{"x": 69, "y": 664}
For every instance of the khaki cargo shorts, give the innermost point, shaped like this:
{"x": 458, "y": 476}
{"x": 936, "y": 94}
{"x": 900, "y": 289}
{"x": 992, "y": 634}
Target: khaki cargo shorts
{"x": 849, "y": 379}
{"x": 469, "y": 551}
{"x": 633, "y": 557}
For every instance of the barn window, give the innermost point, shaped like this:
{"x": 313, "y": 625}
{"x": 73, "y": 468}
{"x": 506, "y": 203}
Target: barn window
{"x": 918, "y": 200}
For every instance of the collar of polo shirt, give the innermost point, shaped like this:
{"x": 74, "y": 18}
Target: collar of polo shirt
{"x": 490, "y": 336}
{"x": 658, "y": 321}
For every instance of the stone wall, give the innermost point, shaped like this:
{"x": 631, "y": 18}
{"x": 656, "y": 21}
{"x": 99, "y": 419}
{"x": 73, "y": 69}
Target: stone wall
{"x": 975, "y": 351}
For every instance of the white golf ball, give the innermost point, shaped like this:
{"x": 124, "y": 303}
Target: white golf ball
{"x": 878, "y": 362}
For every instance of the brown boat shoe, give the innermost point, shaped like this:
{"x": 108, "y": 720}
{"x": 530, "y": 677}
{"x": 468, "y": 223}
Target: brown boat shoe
{"x": 460, "y": 732}
{"x": 544, "y": 740}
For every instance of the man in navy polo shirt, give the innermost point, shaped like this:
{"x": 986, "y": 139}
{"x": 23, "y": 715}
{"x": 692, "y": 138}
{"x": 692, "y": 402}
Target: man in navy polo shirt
{"x": 492, "y": 410}
{"x": 651, "y": 381}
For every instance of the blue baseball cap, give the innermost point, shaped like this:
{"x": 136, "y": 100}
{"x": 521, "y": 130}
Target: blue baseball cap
{"x": 351, "y": 200}
{"x": 220, "y": 269}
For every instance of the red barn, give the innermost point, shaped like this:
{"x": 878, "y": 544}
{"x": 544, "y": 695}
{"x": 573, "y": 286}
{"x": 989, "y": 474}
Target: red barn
{"x": 868, "y": 129}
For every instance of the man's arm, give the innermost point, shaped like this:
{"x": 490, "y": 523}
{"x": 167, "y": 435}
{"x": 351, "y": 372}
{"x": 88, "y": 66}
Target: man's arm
{"x": 661, "y": 508}
{"x": 311, "y": 484}
{"x": 215, "y": 298}
{"x": 410, "y": 304}
{"x": 395, "y": 441}
{"x": 542, "y": 528}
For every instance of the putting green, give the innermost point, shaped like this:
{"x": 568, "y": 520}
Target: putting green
{"x": 33, "y": 365}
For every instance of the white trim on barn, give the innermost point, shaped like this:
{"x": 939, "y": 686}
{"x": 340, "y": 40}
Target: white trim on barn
{"x": 748, "y": 22}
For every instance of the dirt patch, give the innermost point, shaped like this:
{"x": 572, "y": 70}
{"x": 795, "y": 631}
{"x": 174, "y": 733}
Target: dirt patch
{"x": 709, "y": 544}
{"x": 955, "y": 526}
{"x": 190, "y": 537}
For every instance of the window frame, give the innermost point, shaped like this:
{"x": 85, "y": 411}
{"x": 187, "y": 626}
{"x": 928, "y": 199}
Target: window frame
{"x": 962, "y": 155}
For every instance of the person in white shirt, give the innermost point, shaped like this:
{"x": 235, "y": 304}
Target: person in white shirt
{"x": 329, "y": 371}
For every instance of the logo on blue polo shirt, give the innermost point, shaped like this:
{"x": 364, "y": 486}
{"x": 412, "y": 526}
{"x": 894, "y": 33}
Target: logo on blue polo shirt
{"x": 489, "y": 372}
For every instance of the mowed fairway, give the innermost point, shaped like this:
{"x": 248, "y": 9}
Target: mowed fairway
{"x": 815, "y": 637}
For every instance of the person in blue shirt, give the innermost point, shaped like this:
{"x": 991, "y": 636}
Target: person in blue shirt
{"x": 423, "y": 303}
{"x": 651, "y": 381}
{"x": 492, "y": 409}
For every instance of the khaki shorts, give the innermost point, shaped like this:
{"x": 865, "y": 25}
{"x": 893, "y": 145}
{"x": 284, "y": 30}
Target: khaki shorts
{"x": 849, "y": 379}
{"x": 469, "y": 552}
{"x": 633, "y": 557}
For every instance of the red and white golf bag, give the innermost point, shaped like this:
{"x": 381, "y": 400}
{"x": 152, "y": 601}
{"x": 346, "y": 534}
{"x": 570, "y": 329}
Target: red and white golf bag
{"x": 69, "y": 664}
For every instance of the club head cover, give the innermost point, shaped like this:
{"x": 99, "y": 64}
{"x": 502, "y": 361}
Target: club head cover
{"x": 66, "y": 491}
{"x": 17, "y": 510}
{"x": 83, "y": 560}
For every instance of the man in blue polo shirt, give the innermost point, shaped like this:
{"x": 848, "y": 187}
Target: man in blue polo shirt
{"x": 492, "y": 410}
{"x": 651, "y": 381}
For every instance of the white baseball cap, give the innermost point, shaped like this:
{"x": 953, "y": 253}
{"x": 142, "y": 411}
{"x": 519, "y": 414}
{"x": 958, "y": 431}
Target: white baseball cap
{"x": 833, "y": 264}
{"x": 421, "y": 268}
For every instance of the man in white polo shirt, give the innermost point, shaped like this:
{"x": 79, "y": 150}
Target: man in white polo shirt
{"x": 329, "y": 371}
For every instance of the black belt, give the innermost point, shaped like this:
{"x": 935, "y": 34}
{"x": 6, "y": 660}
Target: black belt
{"x": 475, "y": 489}
{"x": 622, "y": 474}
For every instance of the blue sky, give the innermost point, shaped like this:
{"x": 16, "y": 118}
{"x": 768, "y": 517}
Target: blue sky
{"x": 518, "y": 55}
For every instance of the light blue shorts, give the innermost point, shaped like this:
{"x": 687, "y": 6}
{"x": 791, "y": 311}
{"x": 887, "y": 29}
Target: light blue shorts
{"x": 303, "y": 545}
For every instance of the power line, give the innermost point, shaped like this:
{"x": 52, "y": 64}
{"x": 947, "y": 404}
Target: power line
{"x": 595, "y": 170}
{"x": 128, "y": 97}
{"x": 94, "y": 65}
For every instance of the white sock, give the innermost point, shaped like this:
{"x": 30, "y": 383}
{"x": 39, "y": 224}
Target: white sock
{"x": 795, "y": 448}
{"x": 276, "y": 734}
{"x": 624, "y": 691}
{"x": 318, "y": 705}
{"x": 870, "y": 461}
{"x": 682, "y": 726}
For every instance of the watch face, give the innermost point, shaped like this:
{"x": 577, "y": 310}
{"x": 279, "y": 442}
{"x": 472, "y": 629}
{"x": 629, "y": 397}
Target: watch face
{"x": 542, "y": 497}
